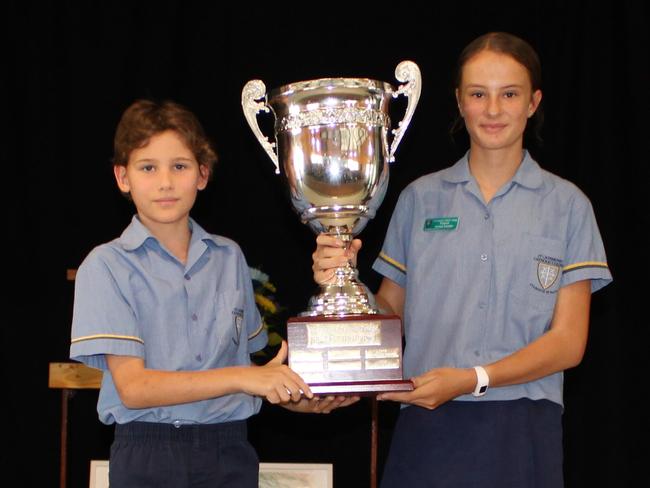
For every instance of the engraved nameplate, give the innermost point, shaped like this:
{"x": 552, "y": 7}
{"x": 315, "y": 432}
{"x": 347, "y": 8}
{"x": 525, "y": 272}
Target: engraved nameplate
{"x": 353, "y": 334}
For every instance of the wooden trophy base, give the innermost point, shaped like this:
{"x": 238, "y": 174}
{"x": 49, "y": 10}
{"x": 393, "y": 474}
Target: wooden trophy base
{"x": 351, "y": 355}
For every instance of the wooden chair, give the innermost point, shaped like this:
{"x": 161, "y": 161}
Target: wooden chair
{"x": 69, "y": 377}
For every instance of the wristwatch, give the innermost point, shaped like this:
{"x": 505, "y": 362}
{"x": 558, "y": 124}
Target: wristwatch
{"x": 482, "y": 381}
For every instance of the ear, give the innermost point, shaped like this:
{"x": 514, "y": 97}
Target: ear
{"x": 121, "y": 178}
{"x": 535, "y": 100}
{"x": 457, "y": 93}
{"x": 203, "y": 177}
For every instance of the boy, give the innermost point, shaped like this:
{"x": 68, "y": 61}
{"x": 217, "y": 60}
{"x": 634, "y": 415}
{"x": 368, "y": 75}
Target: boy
{"x": 167, "y": 311}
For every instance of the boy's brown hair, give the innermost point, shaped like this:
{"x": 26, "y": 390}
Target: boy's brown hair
{"x": 146, "y": 118}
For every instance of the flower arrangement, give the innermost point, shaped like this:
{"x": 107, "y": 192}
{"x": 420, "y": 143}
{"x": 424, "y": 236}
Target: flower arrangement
{"x": 273, "y": 314}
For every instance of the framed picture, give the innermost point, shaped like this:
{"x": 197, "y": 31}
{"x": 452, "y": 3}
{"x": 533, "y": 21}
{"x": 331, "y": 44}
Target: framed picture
{"x": 98, "y": 474}
{"x": 296, "y": 475}
{"x": 272, "y": 475}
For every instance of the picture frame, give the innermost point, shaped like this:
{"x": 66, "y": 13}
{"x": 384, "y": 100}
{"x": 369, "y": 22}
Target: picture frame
{"x": 98, "y": 474}
{"x": 296, "y": 475}
{"x": 272, "y": 475}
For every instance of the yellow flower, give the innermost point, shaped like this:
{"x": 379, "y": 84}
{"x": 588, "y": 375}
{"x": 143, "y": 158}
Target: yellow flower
{"x": 269, "y": 286}
{"x": 265, "y": 303}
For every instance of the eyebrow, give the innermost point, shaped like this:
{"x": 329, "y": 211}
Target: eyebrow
{"x": 513, "y": 85}
{"x": 153, "y": 160}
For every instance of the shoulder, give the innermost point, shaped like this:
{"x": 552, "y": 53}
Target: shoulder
{"x": 102, "y": 256}
{"x": 564, "y": 192}
{"x": 426, "y": 188}
{"x": 428, "y": 181}
{"x": 110, "y": 259}
{"x": 224, "y": 245}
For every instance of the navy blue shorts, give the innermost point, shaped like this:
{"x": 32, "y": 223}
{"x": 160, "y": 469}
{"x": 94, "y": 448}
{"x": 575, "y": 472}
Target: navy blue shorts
{"x": 491, "y": 444}
{"x": 145, "y": 454}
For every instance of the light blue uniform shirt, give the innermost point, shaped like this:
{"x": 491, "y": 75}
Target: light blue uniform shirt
{"x": 482, "y": 280}
{"x": 134, "y": 298}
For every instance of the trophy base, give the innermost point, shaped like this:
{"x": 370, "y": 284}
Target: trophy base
{"x": 368, "y": 388}
{"x": 357, "y": 354}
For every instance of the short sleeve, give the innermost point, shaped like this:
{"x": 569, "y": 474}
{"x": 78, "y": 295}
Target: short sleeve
{"x": 392, "y": 260}
{"x": 104, "y": 320}
{"x": 256, "y": 333}
{"x": 585, "y": 254}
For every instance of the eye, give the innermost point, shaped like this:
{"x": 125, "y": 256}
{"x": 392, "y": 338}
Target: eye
{"x": 510, "y": 94}
{"x": 148, "y": 168}
{"x": 180, "y": 166}
{"x": 477, "y": 94}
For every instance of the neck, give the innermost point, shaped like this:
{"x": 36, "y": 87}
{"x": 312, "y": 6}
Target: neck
{"x": 493, "y": 169}
{"x": 175, "y": 237}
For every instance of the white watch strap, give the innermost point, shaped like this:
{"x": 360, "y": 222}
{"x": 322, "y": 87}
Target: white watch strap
{"x": 482, "y": 381}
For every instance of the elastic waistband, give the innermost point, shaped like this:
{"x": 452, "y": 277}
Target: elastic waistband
{"x": 152, "y": 431}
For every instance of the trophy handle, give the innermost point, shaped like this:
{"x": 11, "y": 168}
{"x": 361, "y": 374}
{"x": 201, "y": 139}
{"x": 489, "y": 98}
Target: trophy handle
{"x": 408, "y": 72}
{"x": 255, "y": 90}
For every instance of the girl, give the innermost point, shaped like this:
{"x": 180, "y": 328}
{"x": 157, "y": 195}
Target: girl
{"x": 491, "y": 263}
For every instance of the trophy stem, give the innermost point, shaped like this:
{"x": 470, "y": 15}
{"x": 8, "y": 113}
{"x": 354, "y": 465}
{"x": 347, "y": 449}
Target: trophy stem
{"x": 345, "y": 295}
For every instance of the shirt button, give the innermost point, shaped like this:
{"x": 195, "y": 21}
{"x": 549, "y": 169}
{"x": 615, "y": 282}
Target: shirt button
{"x": 198, "y": 357}
{"x": 176, "y": 423}
{"x": 194, "y": 317}
{"x": 481, "y": 305}
{"x": 187, "y": 277}
{"x": 484, "y": 257}
{"x": 486, "y": 216}
{"x": 477, "y": 354}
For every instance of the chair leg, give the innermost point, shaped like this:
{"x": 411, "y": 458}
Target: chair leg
{"x": 65, "y": 395}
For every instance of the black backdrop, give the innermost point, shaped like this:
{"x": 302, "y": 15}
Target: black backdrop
{"x": 71, "y": 68}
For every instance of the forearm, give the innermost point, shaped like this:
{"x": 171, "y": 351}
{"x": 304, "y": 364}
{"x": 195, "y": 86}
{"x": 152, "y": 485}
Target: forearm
{"x": 560, "y": 348}
{"x": 390, "y": 298}
{"x": 144, "y": 388}
{"x": 139, "y": 387}
{"x": 551, "y": 353}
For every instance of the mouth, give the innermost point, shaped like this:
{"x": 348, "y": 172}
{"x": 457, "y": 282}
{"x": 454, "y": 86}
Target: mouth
{"x": 492, "y": 128}
{"x": 166, "y": 202}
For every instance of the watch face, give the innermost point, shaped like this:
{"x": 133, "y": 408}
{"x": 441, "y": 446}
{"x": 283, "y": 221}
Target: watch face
{"x": 483, "y": 389}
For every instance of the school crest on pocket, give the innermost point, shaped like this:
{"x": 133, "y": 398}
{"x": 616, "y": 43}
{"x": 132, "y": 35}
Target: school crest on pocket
{"x": 547, "y": 274}
{"x": 238, "y": 321}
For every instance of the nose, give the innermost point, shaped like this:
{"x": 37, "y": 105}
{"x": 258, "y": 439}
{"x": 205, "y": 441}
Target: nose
{"x": 493, "y": 106}
{"x": 165, "y": 181}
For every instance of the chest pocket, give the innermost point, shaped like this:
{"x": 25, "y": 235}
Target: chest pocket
{"x": 538, "y": 272}
{"x": 229, "y": 321}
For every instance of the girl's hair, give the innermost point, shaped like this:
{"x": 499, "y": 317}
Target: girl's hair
{"x": 146, "y": 118}
{"x": 520, "y": 51}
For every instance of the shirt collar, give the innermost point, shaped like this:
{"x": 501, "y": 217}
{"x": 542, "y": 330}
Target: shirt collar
{"x": 528, "y": 175}
{"x": 136, "y": 234}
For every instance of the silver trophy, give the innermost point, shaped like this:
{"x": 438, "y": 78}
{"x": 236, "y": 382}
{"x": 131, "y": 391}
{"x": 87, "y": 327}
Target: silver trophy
{"x": 332, "y": 139}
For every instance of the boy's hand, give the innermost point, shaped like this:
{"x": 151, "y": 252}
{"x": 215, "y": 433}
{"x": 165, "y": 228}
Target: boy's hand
{"x": 320, "y": 404}
{"x": 275, "y": 381}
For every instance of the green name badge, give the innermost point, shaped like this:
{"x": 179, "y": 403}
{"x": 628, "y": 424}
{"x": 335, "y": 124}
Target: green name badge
{"x": 441, "y": 223}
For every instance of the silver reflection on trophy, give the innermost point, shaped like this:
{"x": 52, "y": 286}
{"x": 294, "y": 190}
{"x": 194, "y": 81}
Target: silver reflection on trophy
{"x": 331, "y": 138}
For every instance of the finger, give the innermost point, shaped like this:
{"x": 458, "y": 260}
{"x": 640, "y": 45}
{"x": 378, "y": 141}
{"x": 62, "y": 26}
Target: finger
{"x": 403, "y": 397}
{"x": 329, "y": 241}
{"x": 349, "y": 401}
{"x": 283, "y": 393}
{"x": 326, "y": 405}
{"x": 324, "y": 277}
{"x": 303, "y": 387}
{"x": 294, "y": 392}
{"x": 355, "y": 245}
{"x": 281, "y": 356}
{"x": 328, "y": 263}
{"x": 329, "y": 252}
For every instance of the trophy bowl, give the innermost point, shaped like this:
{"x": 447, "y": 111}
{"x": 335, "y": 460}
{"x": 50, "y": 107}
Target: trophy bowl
{"x": 332, "y": 146}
